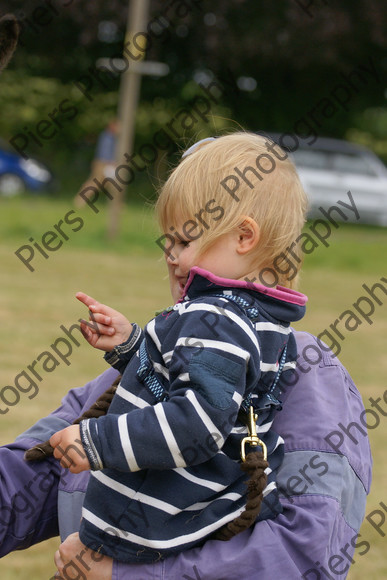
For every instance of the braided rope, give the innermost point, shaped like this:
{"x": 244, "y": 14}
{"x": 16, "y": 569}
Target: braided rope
{"x": 100, "y": 408}
{"x": 255, "y": 467}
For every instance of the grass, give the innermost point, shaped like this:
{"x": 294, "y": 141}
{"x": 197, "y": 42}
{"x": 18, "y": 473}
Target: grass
{"x": 129, "y": 274}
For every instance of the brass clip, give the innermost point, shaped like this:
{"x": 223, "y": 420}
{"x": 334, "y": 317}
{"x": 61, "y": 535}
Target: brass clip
{"x": 252, "y": 439}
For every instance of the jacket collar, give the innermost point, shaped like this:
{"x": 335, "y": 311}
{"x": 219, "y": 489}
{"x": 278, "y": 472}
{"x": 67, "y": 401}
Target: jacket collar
{"x": 291, "y": 302}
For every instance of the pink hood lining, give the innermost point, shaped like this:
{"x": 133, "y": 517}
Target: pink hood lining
{"x": 279, "y": 292}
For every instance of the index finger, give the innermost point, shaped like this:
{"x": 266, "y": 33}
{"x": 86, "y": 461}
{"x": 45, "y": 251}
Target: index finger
{"x": 85, "y": 299}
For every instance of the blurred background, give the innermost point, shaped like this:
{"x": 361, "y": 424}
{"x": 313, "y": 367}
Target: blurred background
{"x": 279, "y": 65}
{"x": 310, "y": 73}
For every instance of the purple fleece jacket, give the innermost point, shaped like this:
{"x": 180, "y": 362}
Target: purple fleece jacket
{"x": 323, "y": 484}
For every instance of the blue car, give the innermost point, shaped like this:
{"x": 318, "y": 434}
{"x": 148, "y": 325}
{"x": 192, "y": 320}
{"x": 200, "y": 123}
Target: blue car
{"x": 18, "y": 175}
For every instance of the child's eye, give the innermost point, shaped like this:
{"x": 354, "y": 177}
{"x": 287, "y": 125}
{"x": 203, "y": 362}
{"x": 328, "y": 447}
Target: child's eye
{"x": 184, "y": 243}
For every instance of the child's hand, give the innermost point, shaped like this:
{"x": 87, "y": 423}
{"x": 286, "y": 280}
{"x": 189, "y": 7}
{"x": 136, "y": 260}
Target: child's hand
{"x": 69, "y": 450}
{"x": 73, "y": 554}
{"x": 107, "y": 328}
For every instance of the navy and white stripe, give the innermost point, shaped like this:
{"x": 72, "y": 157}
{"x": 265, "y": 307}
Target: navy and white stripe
{"x": 171, "y": 473}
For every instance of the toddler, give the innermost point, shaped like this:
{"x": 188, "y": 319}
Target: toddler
{"x": 165, "y": 459}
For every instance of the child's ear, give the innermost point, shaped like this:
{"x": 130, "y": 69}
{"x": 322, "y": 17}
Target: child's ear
{"x": 248, "y": 235}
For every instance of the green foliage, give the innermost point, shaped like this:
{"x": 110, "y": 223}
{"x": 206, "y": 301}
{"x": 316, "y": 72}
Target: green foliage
{"x": 27, "y": 100}
{"x": 371, "y": 131}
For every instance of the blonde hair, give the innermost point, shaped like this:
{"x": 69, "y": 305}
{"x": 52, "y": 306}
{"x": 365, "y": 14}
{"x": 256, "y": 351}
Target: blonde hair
{"x": 244, "y": 177}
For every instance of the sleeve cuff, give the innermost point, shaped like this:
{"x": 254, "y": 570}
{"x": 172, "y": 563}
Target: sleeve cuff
{"x": 86, "y": 428}
{"x": 124, "y": 352}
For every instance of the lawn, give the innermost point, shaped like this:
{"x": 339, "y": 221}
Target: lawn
{"x": 129, "y": 275}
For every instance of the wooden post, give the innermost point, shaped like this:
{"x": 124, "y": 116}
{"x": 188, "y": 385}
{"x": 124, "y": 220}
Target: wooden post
{"x": 128, "y": 101}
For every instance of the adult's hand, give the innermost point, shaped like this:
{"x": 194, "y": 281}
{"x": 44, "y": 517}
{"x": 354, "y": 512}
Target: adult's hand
{"x": 73, "y": 557}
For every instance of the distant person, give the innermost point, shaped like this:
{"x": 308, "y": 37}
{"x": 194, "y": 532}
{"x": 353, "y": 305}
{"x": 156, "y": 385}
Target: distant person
{"x": 104, "y": 162}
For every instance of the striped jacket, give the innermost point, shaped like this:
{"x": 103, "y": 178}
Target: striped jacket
{"x": 166, "y": 470}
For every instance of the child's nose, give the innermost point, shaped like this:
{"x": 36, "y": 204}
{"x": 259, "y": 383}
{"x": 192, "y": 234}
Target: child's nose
{"x": 171, "y": 259}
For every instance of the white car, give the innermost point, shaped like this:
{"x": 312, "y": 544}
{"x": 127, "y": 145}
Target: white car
{"x": 329, "y": 168}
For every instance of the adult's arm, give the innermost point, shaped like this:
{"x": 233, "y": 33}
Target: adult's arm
{"x": 324, "y": 480}
{"x": 29, "y": 490}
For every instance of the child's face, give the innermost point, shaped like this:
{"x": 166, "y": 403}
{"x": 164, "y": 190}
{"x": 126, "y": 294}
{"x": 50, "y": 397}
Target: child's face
{"x": 222, "y": 259}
